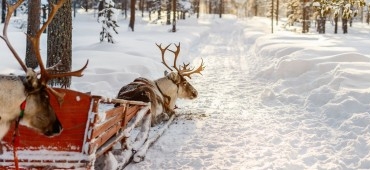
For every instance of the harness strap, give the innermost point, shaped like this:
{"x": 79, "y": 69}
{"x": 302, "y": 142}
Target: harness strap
{"x": 164, "y": 95}
{"x": 16, "y": 134}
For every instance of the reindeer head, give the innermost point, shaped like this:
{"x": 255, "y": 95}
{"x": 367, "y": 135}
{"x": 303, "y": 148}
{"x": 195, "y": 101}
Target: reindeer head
{"x": 185, "y": 89}
{"x": 38, "y": 113}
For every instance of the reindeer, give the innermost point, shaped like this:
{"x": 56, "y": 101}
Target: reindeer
{"x": 25, "y": 99}
{"x": 163, "y": 92}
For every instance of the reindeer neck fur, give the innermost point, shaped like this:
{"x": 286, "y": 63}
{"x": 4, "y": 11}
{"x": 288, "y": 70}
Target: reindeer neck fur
{"x": 12, "y": 94}
{"x": 168, "y": 88}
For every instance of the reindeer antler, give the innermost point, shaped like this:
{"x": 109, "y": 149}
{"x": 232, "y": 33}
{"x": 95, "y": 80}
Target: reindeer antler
{"x": 176, "y": 55}
{"x": 35, "y": 40}
{"x": 11, "y": 9}
{"x": 188, "y": 72}
{"x": 45, "y": 75}
{"x": 163, "y": 50}
{"x": 183, "y": 70}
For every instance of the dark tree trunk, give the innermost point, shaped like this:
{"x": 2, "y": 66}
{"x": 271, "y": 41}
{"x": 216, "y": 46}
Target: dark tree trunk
{"x": 345, "y": 25}
{"x": 336, "y": 24}
{"x": 148, "y": 8}
{"x": 86, "y": 5}
{"x": 305, "y": 27}
{"x": 221, "y": 8}
{"x": 198, "y": 3}
{"x": 277, "y": 13}
{"x": 255, "y": 10}
{"x": 174, "y": 15}
{"x": 168, "y": 12}
{"x": 210, "y": 7}
{"x": 60, "y": 42}
{"x": 132, "y": 16}
{"x": 33, "y": 25}
{"x": 321, "y": 25}
{"x": 142, "y": 7}
{"x": 74, "y": 8}
{"x": 3, "y": 10}
{"x": 124, "y": 7}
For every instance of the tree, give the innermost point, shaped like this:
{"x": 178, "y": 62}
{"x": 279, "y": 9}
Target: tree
{"x": 86, "y": 5}
{"x": 174, "y": 15}
{"x": 108, "y": 17}
{"x": 59, "y": 44}
{"x": 322, "y": 10}
{"x": 305, "y": 21}
{"x": 197, "y": 4}
{"x": 294, "y": 10}
{"x": 168, "y": 19}
{"x": 221, "y": 8}
{"x": 33, "y": 25}
{"x": 132, "y": 15}
{"x": 3, "y": 10}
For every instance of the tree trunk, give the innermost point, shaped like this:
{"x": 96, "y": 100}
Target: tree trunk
{"x": 277, "y": 12}
{"x": 168, "y": 12}
{"x": 198, "y": 3}
{"x": 3, "y": 10}
{"x": 132, "y": 16}
{"x": 124, "y": 7}
{"x": 33, "y": 25}
{"x": 321, "y": 25}
{"x": 174, "y": 16}
{"x": 345, "y": 25}
{"x": 210, "y": 7}
{"x": 335, "y": 24}
{"x": 221, "y": 9}
{"x": 86, "y": 5}
{"x": 142, "y": 8}
{"x": 60, "y": 42}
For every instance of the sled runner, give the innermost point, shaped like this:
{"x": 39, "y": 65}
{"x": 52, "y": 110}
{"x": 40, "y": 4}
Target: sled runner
{"x": 91, "y": 127}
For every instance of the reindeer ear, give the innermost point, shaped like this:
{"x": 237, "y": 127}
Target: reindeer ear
{"x": 31, "y": 77}
{"x": 165, "y": 72}
{"x": 174, "y": 77}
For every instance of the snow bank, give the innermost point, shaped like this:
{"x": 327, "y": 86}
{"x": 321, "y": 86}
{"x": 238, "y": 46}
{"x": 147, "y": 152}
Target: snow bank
{"x": 332, "y": 84}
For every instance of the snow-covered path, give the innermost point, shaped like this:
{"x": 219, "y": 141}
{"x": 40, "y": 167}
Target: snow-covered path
{"x": 230, "y": 129}
{"x": 238, "y": 123}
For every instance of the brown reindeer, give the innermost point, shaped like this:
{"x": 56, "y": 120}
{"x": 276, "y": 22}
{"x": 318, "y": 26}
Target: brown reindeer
{"x": 31, "y": 89}
{"x": 163, "y": 92}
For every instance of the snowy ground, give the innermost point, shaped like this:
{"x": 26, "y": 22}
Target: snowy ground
{"x": 266, "y": 101}
{"x": 282, "y": 101}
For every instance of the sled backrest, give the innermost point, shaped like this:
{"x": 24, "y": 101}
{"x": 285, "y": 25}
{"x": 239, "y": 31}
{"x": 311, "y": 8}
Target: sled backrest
{"x": 73, "y": 115}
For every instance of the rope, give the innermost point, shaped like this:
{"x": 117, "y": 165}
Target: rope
{"x": 16, "y": 139}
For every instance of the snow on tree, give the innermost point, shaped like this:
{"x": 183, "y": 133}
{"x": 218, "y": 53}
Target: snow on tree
{"x": 108, "y": 17}
{"x": 294, "y": 12}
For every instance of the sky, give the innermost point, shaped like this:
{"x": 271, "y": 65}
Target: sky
{"x": 285, "y": 100}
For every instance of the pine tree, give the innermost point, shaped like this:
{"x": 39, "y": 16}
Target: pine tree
{"x": 3, "y": 10}
{"x": 108, "y": 17}
{"x": 59, "y": 43}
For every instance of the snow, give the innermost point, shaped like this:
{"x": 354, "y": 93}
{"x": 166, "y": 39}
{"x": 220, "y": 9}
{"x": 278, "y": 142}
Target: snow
{"x": 266, "y": 101}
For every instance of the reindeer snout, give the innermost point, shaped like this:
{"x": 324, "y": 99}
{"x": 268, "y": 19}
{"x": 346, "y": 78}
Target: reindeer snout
{"x": 57, "y": 128}
{"x": 195, "y": 94}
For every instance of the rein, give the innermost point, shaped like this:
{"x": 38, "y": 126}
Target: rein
{"x": 16, "y": 134}
{"x": 164, "y": 95}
